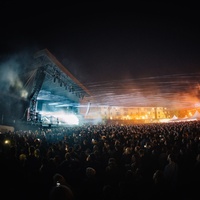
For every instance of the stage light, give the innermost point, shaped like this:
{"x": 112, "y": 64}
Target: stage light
{"x": 7, "y": 142}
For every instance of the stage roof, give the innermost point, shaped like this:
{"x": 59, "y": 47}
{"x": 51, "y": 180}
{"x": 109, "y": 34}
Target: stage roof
{"x": 52, "y": 82}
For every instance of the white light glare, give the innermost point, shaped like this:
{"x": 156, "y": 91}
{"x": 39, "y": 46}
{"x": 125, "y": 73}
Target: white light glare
{"x": 71, "y": 119}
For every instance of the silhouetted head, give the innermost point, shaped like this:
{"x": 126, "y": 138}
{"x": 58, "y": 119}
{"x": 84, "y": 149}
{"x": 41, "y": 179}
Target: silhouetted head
{"x": 61, "y": 192}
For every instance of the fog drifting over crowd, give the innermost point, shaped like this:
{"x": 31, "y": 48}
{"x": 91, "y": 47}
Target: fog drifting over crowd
{"x": 172, "y": 91}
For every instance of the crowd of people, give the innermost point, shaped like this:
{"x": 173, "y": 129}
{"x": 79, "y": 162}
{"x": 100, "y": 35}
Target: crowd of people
{"x": 101, "y": 162}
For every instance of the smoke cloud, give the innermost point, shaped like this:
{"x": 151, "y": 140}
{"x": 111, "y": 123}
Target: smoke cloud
{"x": 13, "y": 93}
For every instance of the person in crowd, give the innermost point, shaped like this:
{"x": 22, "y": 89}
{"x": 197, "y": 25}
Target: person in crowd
{"x": 160, "y": 189}
{"x": 61, "y": 192}
{"x": 171, "y": 171}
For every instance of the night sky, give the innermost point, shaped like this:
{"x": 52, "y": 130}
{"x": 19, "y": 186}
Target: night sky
{"x": 130, "y": 54}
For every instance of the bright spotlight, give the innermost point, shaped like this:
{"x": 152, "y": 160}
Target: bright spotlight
{"x": 71, "y": 119}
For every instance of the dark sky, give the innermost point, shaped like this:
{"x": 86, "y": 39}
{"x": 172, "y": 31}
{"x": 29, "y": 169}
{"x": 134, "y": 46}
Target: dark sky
{"x": 132, "y": 54}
